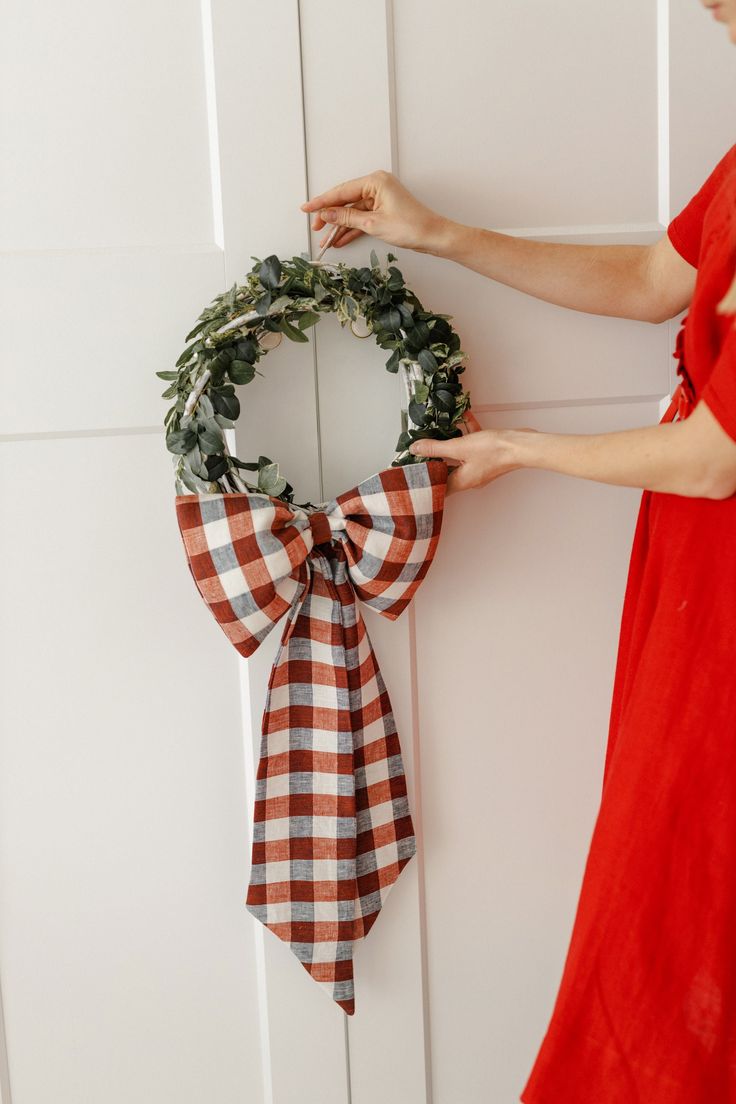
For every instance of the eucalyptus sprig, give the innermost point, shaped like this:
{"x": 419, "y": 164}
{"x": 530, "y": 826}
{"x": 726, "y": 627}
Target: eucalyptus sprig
{"x": 280, "y": 298}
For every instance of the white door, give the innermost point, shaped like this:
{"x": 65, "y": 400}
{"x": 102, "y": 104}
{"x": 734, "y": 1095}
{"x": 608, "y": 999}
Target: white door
{"x": 149, "y": 152}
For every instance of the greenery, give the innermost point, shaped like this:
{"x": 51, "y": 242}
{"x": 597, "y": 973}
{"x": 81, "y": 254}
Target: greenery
{"x": 278, "y": 297}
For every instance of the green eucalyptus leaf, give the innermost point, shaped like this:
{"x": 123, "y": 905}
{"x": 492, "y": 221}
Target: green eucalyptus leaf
{"x": 226, "y": 404}
{"x": 407, "y": 318}
{"x": 269, "y": 480}
{"x": 441, "y": 331}
{"x": 209, "y": 423}
{"x": 168, "y": 375}
{"x": 417, "y": 337}
{"x": 281, "y": 303}
{"x": 392, "y": 364}
{"x": 428, "y": 361}
{"x": 195, "y": 331}
{"x": 417, "y": 413}
{"x": 247, "y": 350}
{"x": 291, "y": 331}
{"x": 444, "y": 401}
{"x": 181, "y": 441}
{"x": 216, "y": 466}
{"x": 270, "y": 272}
{"x": 307, "y": 319}
{"x": 188, "y": 352}
{"x": 262, "y": 304}
{"x": 240, "y": 371}
{"x": 210, "y": 442}
{"x": 195, "y": 460}
{"x": 390, "y": 320}
{"x": 395, "y": 281}
{"x": 194, "y": 483}
{"x": 247, "y": 466}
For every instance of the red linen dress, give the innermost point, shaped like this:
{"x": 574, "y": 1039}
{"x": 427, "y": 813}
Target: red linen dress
{"x": 646, "y": 1008}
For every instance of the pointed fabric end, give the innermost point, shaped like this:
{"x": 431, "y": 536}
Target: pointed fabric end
{"x": 334, "y": 977}
{"x": 328, "y": 963}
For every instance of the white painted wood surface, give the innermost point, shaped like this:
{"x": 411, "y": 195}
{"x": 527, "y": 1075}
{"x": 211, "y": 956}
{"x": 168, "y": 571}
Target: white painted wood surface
{"x": 151, "y": 150}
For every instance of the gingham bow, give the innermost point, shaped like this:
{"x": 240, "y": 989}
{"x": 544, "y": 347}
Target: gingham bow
{"x": 332, "y": 828}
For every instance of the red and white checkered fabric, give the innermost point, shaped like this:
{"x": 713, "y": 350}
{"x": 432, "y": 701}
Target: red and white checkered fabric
{"x": 332, "y": 828}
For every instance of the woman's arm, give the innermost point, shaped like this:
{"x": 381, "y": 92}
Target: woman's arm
{"x": 648, "y": 283}
{"x": 694, "y": 457}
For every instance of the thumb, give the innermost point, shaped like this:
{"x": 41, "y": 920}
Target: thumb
{"x": 346, "y": 216}
{"x": 447, "y": 450}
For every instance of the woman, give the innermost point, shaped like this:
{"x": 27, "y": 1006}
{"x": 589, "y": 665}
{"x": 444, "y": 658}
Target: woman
{"x": 646, "y": 1008}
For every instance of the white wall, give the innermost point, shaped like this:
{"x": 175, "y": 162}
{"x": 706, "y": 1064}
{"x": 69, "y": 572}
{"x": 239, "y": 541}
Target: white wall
{"x": 149, "y": 151}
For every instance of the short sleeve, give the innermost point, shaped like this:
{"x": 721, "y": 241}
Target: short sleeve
{"x": 686, "y": 228}
{"x": 719, "y": 391}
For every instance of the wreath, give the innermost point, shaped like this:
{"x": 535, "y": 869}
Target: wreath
{"x": 288, "y": 297}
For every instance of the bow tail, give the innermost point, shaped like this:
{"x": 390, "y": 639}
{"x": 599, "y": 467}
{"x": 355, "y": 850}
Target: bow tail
{"x": 385, "y": 838}
{"x": 332, "y": 828}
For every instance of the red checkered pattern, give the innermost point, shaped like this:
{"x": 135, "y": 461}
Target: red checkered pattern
{"x": 332, "y": 828}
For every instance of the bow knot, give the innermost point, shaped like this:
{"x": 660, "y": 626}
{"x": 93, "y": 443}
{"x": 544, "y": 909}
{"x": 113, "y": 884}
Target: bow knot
{"x": 332, "y": 828}
{"x": 319, "y": 523}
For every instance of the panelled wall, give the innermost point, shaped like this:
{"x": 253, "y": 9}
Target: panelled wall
{"x": 150, "y": 151}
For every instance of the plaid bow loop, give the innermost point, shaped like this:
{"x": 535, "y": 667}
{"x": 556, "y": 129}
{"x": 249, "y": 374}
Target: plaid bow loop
{"x": 332, "y": 828}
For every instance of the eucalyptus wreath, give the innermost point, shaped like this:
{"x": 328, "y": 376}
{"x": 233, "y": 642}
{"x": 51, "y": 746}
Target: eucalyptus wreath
{"x": 280, "y": 298}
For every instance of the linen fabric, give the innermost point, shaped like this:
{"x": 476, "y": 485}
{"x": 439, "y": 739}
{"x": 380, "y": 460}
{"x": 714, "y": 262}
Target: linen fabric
{"x": 646, "y": 1007}
{"x": 332, "y": 828}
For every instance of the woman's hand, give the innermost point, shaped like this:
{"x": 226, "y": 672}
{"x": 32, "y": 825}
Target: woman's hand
{"x": 381, "y": 206}
{"x": 694, "y": 457}
{"x": 481, "y": 455}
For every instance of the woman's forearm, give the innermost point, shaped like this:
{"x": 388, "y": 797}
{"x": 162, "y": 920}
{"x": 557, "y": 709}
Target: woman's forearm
{"x": 597, "y": 279}
{"x": 666, "y": 457}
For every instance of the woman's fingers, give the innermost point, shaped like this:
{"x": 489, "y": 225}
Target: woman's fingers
{"x": 459, "y": 480}
{"x": 343, "y": 237}
{"x": 380, "y": 205}
{"x": 348, "y": 192}
{"x": 345, "y": 234}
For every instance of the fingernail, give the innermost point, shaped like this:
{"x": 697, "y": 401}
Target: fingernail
{"x": 327, "y": 214}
